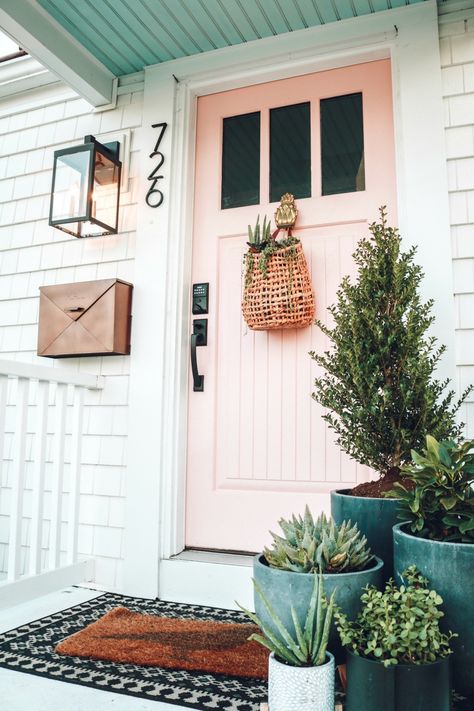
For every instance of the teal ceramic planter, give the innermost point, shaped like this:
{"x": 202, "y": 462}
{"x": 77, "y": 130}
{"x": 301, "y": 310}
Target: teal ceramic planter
{"x": 450, "y": 569}
{"x": 402, "y": 687}
{"x": 285, "y": 589}
{"x": 375, "y": 518}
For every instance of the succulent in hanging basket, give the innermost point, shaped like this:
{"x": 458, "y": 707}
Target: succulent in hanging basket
{"x": 318, "y": 546}
{"x": 439, "y": 503}
{"x": 304, "y": 646}
{"x": 259, "y": 236}
{"x": 398, "y": 625}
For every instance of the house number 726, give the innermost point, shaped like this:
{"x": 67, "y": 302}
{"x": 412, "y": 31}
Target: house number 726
{"x": 154, "y": 196}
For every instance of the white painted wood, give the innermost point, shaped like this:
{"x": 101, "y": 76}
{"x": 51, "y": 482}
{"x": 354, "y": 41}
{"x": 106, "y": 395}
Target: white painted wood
{"x": 18, "y": 474}
{"x": 31, "y": 587}
{"x": 75, "y": 474}
{"x": 53, "y": 375}
{"x": 3, "y": 406}
{"x": 213, "y": 584}
{"x": 57, "y": 485}
{"x": 38, "y": 477}
{"x": 44, "y": 38}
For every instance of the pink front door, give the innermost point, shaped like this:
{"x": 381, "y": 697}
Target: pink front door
{"x": 258, "y": 448}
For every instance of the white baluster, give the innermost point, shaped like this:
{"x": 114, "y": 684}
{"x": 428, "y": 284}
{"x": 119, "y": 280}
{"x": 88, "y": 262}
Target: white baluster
{"x": 3, "y": 411}
{"x": 75, "y": 474}
{"x": 38, "y": 477}
{"x": 18, "y": 482}
{"x": 58, "y": 468}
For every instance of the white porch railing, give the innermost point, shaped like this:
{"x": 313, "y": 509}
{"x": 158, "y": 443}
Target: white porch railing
{"x": 36, "y": 403}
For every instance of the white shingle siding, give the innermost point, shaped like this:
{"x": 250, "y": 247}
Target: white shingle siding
{"x": 457, "y": 59}
{"x": 33, "y": 254}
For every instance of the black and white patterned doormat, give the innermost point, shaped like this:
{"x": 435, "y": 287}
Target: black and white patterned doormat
{"x": 30, "y": 649}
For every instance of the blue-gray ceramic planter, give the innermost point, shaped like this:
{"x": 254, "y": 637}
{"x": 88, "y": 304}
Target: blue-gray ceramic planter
{"x": 285, "y": 589}
{"x": 401, "y": 687}
{"x": 450, "y": 569}
{"x": 375, "y": 518}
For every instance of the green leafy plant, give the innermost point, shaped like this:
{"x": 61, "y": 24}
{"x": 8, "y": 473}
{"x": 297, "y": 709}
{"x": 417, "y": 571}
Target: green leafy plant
{"x": 379, "y": 386}
{"x": 439, "y": 503}
{"x": 399, "y": 625}
{"x": 258, "y": 238}
{"x": 318, "y": 546}
{"x": 303, "y": 646}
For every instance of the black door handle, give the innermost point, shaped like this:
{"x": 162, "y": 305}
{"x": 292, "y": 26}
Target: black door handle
{"x": 198, "y": 338}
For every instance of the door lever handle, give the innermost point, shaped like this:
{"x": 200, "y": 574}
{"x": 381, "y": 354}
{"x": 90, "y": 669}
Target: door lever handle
{"x": 198, "y": 338}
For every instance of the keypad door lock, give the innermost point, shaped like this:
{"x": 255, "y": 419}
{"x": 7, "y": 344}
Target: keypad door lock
{"x": 200, "y": 299}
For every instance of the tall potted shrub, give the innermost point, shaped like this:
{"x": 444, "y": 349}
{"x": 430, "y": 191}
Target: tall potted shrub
{"x": 300, "y": 669}
{"x": 378, "y": 386}
{"x": 438, "y": 502}
{"x": 398, "y": 658}
{"x": 285, "y": 571}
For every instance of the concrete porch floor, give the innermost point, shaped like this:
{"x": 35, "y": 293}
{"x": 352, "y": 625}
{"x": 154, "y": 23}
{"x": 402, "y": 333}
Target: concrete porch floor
{"x": 20, "y": 691}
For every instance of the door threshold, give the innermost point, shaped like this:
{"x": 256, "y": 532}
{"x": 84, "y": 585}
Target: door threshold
{"x": 210, "y": 578}
{"x": 200, "y": 555}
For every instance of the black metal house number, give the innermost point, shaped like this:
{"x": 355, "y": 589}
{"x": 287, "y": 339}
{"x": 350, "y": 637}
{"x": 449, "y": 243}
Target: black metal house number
{"x": 154, "y": 196}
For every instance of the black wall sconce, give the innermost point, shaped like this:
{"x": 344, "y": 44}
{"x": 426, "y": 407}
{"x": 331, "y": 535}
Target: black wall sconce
{"x": 86, "y": 189}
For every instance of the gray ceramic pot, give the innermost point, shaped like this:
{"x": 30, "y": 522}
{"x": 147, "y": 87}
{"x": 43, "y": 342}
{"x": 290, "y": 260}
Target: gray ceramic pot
{"x": 450, "y": 569}
{"x": 375, "y": 518}
{"x": 285, "y": 589}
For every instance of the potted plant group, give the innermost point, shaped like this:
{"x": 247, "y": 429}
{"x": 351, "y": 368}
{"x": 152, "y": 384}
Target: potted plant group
{"x": 378, "y": 389}
{"x": 438, "y": 537}
{"x": 285, "y": 571}
{"x": 398, "y": 658}
{"x": 300, "y": 669}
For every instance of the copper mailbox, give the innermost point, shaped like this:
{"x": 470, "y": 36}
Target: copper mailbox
{"x": 85, "y": 319}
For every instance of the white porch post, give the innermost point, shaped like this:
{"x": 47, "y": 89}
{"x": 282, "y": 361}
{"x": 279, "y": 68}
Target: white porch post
{"x": 145, "y": 442}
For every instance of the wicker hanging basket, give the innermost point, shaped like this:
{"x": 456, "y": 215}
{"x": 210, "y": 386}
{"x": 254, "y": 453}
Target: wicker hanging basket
{"x": 281, "y": 296}
{"x": 277, "y": 291}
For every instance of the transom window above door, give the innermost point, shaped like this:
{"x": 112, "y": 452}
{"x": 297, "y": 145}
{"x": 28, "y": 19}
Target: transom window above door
{"x": 291, "y": 131}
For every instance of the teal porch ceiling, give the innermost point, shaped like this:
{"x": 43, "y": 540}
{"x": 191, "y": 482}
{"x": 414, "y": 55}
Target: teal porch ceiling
{"x": 127, "y": 35}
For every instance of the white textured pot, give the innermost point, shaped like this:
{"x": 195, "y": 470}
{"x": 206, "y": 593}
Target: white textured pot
{"x": 300, "y": 688}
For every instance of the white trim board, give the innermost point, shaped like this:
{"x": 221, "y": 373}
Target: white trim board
{"x": 157, "y": 442}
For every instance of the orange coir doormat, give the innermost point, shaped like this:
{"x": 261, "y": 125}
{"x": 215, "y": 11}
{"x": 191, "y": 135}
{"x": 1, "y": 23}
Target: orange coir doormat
{"x": 172, "y": 643}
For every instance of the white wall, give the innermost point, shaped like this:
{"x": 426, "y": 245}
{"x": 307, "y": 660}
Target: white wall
{"x": 32, "y": 126}
{"x": 457, "y": 60}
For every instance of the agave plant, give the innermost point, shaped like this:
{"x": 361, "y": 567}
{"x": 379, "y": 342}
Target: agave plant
{"x": 320, "y": 546}
{"x": 305, "y": 646}
{"x": 258, "y": 237}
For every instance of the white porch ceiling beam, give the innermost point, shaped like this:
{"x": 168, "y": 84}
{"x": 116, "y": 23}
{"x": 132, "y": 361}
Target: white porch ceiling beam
{"x": 36, "y": 31}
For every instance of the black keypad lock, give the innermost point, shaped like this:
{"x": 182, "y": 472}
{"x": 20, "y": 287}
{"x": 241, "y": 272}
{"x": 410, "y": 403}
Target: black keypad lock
{"x": 200, "y": 299}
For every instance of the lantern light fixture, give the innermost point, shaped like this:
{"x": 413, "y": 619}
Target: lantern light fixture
{"x": 86, "y": 189}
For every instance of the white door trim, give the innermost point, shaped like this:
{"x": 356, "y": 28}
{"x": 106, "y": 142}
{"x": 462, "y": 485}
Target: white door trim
{"x": 157, "y": 448}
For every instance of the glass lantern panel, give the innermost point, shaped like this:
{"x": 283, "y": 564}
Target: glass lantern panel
{"x": 70, "y": 185}
{"x": 105, "y": 192}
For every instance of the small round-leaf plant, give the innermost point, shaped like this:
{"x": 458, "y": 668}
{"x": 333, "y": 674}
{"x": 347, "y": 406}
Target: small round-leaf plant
{"x": 439, "y": 504}
{"x": 302, "y": 646}
{"x": 378, "y": 385}
{"x": 318, "y": 546}
{"x": 399, "y": 625}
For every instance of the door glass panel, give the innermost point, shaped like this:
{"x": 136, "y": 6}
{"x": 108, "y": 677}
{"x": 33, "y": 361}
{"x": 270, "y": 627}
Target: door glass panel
{"x": 290, "y": 151}
{"x": 342, "y": 144}
{"x": 241, "y": 161}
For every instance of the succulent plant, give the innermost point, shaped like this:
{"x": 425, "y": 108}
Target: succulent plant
{"x": 258, "y": 238}
{"x": 439, "y": 502}
{"x": 303, "y": 646}
{"x": 319, "y": 546}
{"x": 399, "y": 625}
